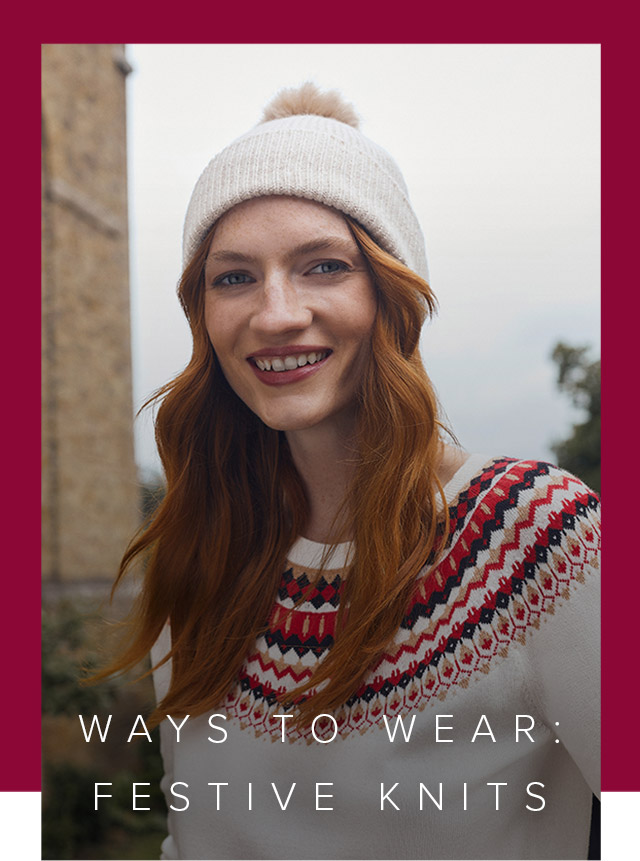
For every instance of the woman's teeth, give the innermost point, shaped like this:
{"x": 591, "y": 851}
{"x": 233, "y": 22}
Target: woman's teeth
{"x": 289, "y": 363}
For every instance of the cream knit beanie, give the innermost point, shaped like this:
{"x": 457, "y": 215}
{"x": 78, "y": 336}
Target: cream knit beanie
{"x": 308, "y": 145}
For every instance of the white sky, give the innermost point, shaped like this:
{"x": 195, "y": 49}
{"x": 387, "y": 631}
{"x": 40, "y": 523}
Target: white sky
{"x": 500, "y": 148}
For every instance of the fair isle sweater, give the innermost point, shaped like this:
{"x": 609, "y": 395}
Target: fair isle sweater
{"x": 501, "y": 636}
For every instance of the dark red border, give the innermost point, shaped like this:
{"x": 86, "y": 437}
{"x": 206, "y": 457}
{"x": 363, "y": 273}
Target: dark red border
{"x": 620, "y": 415}
{"x": 20, "y": 420}
{"x": 19, "y": 716}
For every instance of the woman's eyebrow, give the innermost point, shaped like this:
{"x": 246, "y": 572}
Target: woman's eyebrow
{"x": 224, "y": 256}
{"x": 329, "y": 243}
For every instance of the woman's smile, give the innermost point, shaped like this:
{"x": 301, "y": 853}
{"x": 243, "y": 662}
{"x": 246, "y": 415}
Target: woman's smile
{"x": 281, "y": 366}
{"x": 289, "y": 309}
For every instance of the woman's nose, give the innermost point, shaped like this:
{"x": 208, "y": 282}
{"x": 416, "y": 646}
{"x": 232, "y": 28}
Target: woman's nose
{"x": 281, "y": 307}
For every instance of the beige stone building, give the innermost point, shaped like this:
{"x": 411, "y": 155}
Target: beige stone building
{"x": 89, "y": 489}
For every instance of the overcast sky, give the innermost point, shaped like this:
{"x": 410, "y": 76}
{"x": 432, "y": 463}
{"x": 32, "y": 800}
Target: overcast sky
{"x": 499, "y": 145}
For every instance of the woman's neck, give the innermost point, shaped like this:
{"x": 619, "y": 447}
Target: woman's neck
{"x": 326, "y": 459}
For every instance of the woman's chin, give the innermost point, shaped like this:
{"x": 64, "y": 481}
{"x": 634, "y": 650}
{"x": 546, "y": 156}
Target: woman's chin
{"x": 289, "y": 423}
{"x": 338, "y": 419}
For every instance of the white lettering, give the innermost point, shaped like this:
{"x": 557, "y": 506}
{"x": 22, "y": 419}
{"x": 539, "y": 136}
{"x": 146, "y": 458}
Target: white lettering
{"x": 136, "y": 796}
{"x": 482, "y": 720}
{"x": 437, "y": 803}
{"x": 497, "y": 793}
{"x": 335, "y": 729}
{"x": 385, "y": 796}
{"x": 438, "y": 728}
{"x": 284, "y": 717}
{"x": 275, "y": 789}
{"x": 534, "y": 795}
{"x": 525, "y": 730}
{"x": 322, "y": 795}
{"x": 179, "y": 726}
{"x": 399, "y": 722}
{"x": 217, "y": 786}
{"x": 98, "y": 795}
{"x": 143, "y": 731}
{"x": 179, "y": 795}
{"x": 95, "y": 722}
{"x": 218, "y": 728}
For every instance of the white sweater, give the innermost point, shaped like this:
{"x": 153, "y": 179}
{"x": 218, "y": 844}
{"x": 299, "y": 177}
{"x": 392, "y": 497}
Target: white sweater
{"x": 505, "y": 625}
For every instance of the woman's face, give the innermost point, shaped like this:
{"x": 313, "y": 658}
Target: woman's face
{"x": 289, "y": 308}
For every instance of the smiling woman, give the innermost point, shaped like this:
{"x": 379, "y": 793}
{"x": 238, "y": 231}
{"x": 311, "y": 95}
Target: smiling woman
{"x": 325, "y": 564}
{"x": 296, "y": 315}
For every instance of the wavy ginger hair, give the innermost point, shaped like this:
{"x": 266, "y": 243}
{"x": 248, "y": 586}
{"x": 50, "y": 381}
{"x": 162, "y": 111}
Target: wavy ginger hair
{"x": 235, "y": 503}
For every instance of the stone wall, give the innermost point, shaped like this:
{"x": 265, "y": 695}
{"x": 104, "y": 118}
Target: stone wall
{"x": 90, "y": 492}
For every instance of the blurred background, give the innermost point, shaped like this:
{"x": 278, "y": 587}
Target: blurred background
{"x": 499, "y": 145}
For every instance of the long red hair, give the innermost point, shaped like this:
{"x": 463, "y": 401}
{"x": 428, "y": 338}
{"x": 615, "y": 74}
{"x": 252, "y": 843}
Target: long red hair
{"x": 234, "y": 504}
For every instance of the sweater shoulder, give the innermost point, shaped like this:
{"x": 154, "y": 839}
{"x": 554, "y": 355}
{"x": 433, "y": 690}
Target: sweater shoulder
{"x": 511, "y": 514}
{"x": 508, "y": 493}
{"x": 524, "y": 536}
{"x": 524, "y": 539}
{"x": 516, "y": 474}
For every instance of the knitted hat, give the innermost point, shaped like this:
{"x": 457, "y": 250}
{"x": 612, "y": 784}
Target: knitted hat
{"x": 308, "y": 145}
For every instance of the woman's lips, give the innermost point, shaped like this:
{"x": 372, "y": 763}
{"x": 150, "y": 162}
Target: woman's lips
{"x": 293, "y": 375}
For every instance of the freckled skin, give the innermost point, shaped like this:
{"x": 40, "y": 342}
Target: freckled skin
{"x": 267, "y": 287}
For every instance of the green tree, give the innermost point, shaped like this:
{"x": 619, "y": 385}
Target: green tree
{"x": 578, "y": 376}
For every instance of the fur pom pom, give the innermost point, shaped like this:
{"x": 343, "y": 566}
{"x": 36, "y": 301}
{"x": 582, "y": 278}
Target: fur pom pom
{"x": 308, "y": 99}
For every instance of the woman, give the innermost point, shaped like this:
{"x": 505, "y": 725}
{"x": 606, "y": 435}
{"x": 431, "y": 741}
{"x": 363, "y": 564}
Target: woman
{"x": 385, "y": 647}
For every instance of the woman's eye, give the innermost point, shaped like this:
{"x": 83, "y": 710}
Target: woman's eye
{"x": 328, "y": 267}
{"x": 232, "y": 279}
